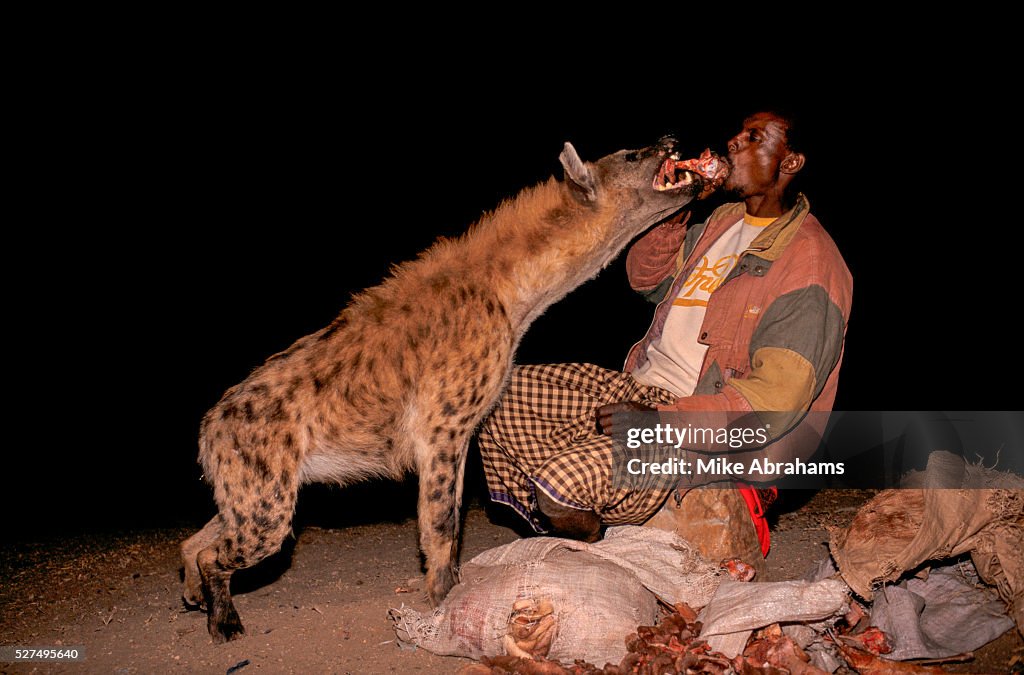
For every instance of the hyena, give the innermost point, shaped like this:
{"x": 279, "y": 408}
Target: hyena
{"x": 402, "y": 377}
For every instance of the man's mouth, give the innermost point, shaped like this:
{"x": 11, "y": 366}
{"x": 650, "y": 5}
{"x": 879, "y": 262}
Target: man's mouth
{"x": 674, "y": 173}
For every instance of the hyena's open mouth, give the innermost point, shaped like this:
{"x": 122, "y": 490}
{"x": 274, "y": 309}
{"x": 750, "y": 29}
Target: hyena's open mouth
{"x": 674, "y": 173}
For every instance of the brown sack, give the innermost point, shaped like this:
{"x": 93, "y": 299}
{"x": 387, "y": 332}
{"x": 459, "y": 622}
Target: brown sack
{"x": 883, "y": 529}
{"x": 998, "y": 555}
{"x": 952, "y": 508}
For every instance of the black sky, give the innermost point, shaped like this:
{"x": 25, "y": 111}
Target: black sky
{"x": 214, "y": 220}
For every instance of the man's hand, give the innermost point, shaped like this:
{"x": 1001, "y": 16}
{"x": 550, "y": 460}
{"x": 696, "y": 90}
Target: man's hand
{"x": 606, "y": 414}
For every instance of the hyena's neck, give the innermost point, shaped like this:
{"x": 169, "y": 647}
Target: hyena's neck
{"x": 543, "y": 244}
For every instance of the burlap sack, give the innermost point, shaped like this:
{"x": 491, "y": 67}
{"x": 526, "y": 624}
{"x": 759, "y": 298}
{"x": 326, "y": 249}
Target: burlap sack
{"x": 951, "y": 508}
{"x": 717, "y": 522}
{"x": 998, "y": 555}
{"x": 739, "y": 608}
{"x": 950, "y": 612}
{"x": 597, "y": 594}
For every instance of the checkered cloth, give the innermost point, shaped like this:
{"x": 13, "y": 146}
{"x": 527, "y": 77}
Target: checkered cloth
{"x": 543, "y": 435}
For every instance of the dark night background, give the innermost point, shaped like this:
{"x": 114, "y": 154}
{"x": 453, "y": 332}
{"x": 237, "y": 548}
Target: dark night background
{"x": 214, "y": 215}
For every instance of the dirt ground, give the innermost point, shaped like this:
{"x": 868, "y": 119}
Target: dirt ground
{"x": 319, "y": 607}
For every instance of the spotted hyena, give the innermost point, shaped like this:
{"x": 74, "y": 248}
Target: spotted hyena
{"x": 400, "y": 379}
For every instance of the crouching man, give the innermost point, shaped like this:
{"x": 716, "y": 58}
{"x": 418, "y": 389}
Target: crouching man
{"x": 752, "y": 312}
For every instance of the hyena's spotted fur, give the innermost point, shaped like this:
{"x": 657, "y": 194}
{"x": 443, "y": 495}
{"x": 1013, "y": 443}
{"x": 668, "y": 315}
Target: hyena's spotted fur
{"x": 405, "y": 373}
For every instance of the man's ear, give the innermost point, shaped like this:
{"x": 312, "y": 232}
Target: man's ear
{"x": 792, "y": 162}
{"x": 578, "y": 175}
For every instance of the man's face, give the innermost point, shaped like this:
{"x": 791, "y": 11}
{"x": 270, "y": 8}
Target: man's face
{"x": 755, "y": 154}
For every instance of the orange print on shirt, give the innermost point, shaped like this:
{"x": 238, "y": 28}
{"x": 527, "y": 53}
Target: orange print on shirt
{"x": 704, "y": 279}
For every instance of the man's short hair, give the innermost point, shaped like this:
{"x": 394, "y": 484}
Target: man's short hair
{"x": 796, "y": 139}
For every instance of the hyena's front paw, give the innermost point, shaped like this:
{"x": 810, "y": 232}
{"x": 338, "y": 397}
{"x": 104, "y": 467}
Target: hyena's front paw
{"x": 193, "y": 597}
{"x": 439, "y": 582}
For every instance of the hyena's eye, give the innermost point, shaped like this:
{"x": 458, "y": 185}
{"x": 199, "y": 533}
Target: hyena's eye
{"x": 632, "y": 157}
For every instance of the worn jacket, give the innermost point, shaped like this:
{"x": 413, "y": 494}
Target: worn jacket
{"x": 774, "y": 328}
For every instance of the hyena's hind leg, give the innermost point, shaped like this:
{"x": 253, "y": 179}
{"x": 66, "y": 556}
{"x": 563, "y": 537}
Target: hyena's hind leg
{"x": 442, "y": 469}
{"x": 190, "y": 548}
{"x": 255, "y": 526}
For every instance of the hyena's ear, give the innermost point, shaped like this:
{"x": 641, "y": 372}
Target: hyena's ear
{"x": 578, "y": 176}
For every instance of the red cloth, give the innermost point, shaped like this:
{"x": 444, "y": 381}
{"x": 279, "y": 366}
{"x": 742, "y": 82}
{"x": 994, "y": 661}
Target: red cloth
{"x": 756, "y": 509}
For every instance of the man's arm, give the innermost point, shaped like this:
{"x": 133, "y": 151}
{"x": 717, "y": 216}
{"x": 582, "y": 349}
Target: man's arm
{"x": 796, "y": 345}
{"x": 651, "y": 261}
